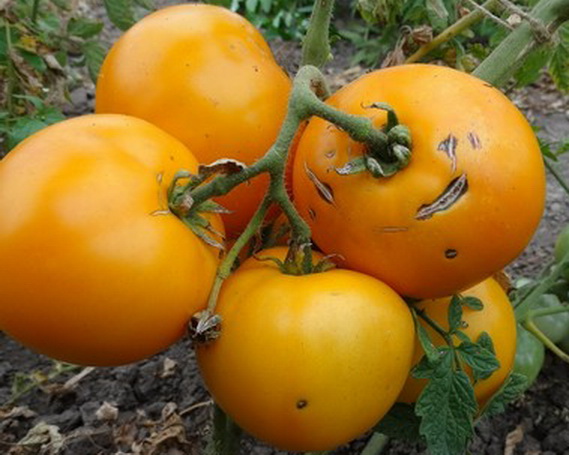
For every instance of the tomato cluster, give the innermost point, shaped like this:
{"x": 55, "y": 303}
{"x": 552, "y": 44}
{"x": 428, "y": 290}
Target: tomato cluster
{"x": 97, "y": 270}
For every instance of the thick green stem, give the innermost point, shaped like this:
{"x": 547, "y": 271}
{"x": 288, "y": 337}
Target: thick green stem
{"x": 503, "y": 62}
{"x": 316, "y": 44}
{"x": 376, "y": 444}
{"x": 455, "y": 29}
{"x": 551, "y": 168}
{"x": 534, "y": 330}
{"x": 226, "y": 435}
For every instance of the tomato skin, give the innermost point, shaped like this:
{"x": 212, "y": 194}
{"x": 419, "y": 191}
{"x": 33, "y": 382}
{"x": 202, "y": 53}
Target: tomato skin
{"x": 206, "y": 76}
{"x": 496, "y": 318}
{"x": 94, "y": 269}
{"x": 307, "y": 362}
{"x": 375, "y": 223}
{"x": 530, "y": 355}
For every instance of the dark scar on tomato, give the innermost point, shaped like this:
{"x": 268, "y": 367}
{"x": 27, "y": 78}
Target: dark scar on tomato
{"x": 324, "y": 190}
{"x": 301, "y": 404}
{"x": 448, "y": 146}
{"x": 330, "y": 154}
{"x": 451, "y": 254}
{"x": 450, "y": 196}
{"x": 474, "y": 141}
{"x": 312, "y": 214}
{"x": 393, "y": 229}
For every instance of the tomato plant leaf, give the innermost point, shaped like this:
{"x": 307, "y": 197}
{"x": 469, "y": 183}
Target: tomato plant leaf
{"x": 21, "y": 129}
{"x": 94, "y": 56}
{"x": 486, "y": 342}
{"x": 531, "y": 69}
{"x": 120, "y": 13}
{"x": 425, "y": 340}
{"x": 447, "y": 407}
{"x": 559, "y": 62}
{"x": 400, "y": 422}
{"x": 454, "y": 314}
{"x": 512, "y": 388}
{"x": 83, "y": 28}
{"x": 437, "y": 14}
{"x": 482, "y": 361}
{"x": 474, "y": 303}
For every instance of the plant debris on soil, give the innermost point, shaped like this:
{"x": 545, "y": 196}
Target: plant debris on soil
{"x": 160, "y": 406}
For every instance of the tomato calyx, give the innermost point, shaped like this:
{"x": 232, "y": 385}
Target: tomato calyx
{"x": 299, "y": 261}
{"x": 204, "y": 327}
{"x": 386, "y": 159}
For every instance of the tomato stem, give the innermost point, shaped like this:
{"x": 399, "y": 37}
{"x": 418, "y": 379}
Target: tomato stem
{"x": 455, "y": 29}
{"x": 551, "y": 168}
{"x": 503, "y": 62}
{"x": 376, "y": 444}
{"x": 529, "y": 324}
{"x": 316, "y": 44}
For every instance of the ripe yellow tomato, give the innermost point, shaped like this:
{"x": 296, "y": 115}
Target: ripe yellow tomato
{"x": 466, "y": 205}
{"x": 206, "y": 76}
{"x": 496, "y": 318}
{"x": 307, "y": 362}
{"x": 95, "y": 270}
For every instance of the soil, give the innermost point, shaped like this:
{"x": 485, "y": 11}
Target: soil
{"x": 160, "y": 407}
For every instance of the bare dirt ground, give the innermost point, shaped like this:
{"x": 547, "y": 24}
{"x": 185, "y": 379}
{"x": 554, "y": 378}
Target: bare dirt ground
{"x": 160, "y": 407}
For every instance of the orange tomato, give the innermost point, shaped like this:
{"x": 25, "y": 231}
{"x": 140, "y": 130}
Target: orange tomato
{"x": 496, "y": 318}
{"x": 95, "y": 270}
{"x": 206, "y": 76}
{"x": 307, "y": 362}
{"x": 466, "y": 205}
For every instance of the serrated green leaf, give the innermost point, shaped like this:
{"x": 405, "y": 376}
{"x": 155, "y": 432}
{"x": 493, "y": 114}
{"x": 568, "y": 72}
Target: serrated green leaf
{"x": 512, "y": 388}
{"x": 559, "y": 61}
{"x": 94, "y": 55}
{"x": 425, "y": 369}
{"x": 426, "y": 343}
{"x": 83, "y": 28}
{"x": 401, "y": 423}
{"x": 146, "y": 4}
{"x": 447, "y": 407}
{"x": 437, "y": 13}
{"x": 486, "y": 342}
{"x": 120, "y": 13}
{"x": 462, "y": 336}
{"x": 34, "y": 60}
{"x": 22, "y": 128}
{"x": 474, "y": 303}
{"x": 454, "y": 314}
{"x": 482, "y": 361}
{"x": 49, "y": 115}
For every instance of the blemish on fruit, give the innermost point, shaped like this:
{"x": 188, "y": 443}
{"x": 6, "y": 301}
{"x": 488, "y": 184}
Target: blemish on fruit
{"x": 324, "y": 190}
{"x": 450, "y": 196}
{"x": 451, "y": 254}
{"x": 301, "y": 404}
{"x": 311, "y": 213}
{"x": 330, "y": 154}
{"x": 448, "y": 146}
{"x": 474, "y": 140}
{"x": 393, "y": 229}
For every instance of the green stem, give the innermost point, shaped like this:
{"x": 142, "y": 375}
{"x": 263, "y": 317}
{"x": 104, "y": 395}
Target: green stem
{"x": 551, "y": 168}
{"x": 376, "y": 444}
{"x": 316, "y": 44}
{"x": 531, "y": 327}
{"x": 504, "y": 61}
{"x": 532, "y": 314}
{"x": 443, "y": 333}
{"x": 226, "y": 434}
{"x": 11, "y": 75}
{"x": 226, "y": 265}
{"x": 35, "y": 11}
{"x": 455, "y": 29}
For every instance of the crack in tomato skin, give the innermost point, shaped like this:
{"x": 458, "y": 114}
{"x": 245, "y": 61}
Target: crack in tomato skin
{"x": 449, "y": 197}
{"x": 448, "y": 146}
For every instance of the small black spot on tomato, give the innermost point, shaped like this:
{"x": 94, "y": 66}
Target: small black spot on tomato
{"x": 451, "y": 254}
{"x": 330, "y": 154}
{"x": 311, "y": 213}
{"x": 301, "y": 404}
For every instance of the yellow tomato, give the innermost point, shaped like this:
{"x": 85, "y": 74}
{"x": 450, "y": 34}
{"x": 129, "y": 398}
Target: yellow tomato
{"x": 95, "y": 269}
{"x": 206, "y": 76}
{"x": 496, "y": 318}
{"x": 307, "y": 362}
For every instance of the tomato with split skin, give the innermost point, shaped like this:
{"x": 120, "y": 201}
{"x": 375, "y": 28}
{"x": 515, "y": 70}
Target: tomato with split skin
{"x": 205, "y": 75}
{"x": 95, "y": 269}
{"x": 466, "y": 205}
{"x": 309, "y": 362}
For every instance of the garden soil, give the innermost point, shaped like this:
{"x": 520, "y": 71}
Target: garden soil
{"x": 160, "y": 406}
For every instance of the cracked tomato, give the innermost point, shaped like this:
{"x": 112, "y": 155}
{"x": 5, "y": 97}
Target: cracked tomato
{"x": 95, "y": 270}
{"x": 206, "y": 76}
{"x": 309, "y": 362}
{"x": 466, "y": 205}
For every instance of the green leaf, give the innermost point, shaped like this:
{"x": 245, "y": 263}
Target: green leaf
{"x": 474, "y": 303}
{"x": 146, "y": 4}
{"x": 120, "y": 13}
{"x": 559, "y": 62}
{"x": 437, "y": 14}
{"x": 22, "y": 128}
{"x": 454, "y": 314}
{"x": 486, "y": 342}
{"x": 94, "y": 55}
{"x": 401, "y": 423}
{"x": 34, "y": 60}
{"x": 530, "y": 70}
{"x": 512, "y": 388}
{"x": 447, "y": 406}
{"x": 49, "y": 115}
{"x": 482, "y": 361}
{"x": 83, "y": 28}
{"x": 426, "y": 343}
